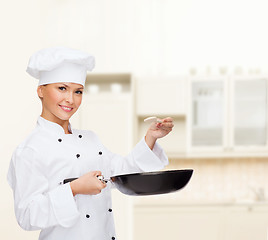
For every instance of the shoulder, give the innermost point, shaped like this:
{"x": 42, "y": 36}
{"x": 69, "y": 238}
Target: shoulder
{"x": 32, "y": 141}
{"x": 24, "y": 155}
{"x": 31, "y": 144}
{"x": 35, "y": 149}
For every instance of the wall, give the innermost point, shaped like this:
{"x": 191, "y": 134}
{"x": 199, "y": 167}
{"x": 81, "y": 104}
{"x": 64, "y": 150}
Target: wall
{"x": 20, "y": 34}
{"x": 149, "y": 37}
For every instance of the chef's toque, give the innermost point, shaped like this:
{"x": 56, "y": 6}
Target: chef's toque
{"x": 60, "y": 64}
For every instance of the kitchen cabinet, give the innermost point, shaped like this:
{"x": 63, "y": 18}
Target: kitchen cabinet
{"x": 249, "y": 109}
{"x": 247, "y": 223}
{"x": 109, "y": 116}
{"x": 176, "y": 223}
{"x": 163, "y": 97}
{"x": 174, "y": 143}
{"x": 202, "y": 222}
{"x": 227, "y": 116}
{"x": 107, "y": 110}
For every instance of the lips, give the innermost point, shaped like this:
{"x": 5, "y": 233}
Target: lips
{"x": 66, "y": 109}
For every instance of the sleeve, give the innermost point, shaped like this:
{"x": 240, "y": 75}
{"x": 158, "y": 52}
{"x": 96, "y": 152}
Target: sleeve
{"x": 35, "y": 206}
{"x": 140, "y": 159}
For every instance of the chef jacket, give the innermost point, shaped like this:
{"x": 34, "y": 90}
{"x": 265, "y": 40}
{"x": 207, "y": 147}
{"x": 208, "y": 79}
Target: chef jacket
{"x": 46, "y": 158}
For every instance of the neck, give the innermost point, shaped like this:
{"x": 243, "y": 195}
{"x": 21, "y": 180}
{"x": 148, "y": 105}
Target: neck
{"x": 63, "y": 123}
{"x": 65, "y": 126}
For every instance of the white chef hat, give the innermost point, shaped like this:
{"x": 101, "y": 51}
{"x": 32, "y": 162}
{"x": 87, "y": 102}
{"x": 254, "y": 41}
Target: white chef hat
{"x": 60, "y": 64}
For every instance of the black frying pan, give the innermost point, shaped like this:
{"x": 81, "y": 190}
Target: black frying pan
{"x": 150, "y": 183}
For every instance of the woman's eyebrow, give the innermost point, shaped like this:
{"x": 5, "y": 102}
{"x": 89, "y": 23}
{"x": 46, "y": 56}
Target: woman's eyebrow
{"x": 67, "y": 86}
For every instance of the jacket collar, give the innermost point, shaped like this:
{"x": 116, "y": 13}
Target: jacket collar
{"x": 51, "y": 126}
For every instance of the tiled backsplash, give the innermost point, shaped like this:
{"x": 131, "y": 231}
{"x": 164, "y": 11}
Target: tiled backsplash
{"x": 222, "y": 180}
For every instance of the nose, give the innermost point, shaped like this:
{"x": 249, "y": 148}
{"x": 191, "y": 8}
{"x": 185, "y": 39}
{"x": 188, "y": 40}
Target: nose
{"x": 69, "y": 98}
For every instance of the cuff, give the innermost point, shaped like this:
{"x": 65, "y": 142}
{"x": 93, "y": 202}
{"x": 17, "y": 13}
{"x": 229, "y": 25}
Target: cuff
{"x": 150, "y": 160}
{"x": 64, "y": 205}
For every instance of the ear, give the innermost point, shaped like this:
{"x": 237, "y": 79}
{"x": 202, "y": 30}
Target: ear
{"x": 40, "y": 91}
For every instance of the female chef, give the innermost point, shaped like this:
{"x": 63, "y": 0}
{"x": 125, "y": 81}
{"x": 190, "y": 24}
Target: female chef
{"x": 55, "y": 151}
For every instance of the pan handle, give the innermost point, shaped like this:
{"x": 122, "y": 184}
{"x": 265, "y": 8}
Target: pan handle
{"x": 101, "y": 178}
{"x": 68, "y": 180}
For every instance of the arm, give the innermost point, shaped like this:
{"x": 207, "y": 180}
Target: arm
{"x": 147, "y": 155}
{"x": 35, "y": 206}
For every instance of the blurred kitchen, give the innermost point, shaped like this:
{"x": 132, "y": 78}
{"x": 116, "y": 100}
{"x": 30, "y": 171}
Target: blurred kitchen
{"x": 202, "y": 62}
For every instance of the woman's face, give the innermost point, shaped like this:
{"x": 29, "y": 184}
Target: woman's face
{"x": 60, "y": 100}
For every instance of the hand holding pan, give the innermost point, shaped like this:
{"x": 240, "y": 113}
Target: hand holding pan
{"x": 149, "y": 183}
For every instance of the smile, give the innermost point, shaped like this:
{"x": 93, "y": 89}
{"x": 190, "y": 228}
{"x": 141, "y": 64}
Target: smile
{"x": 66, "y": 109}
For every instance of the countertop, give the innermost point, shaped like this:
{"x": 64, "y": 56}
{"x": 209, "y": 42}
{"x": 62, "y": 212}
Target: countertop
{"x": 148, "y": 201}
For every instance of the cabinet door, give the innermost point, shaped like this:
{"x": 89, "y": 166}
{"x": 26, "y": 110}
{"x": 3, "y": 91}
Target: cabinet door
{"x": 161, "y": 96}
{"x": 189, "y": 223}
{"x": 247, "y": 224}
{"x": 207, "y": 114}
{"x": 110, "y": 117}
{"x": 249, "y": 111}
{"x": 229, "y": 116}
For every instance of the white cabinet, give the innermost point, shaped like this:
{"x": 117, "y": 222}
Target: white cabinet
{"x": 228, "y": 116}
{"x": 160, "y": 223}
{"x": 109, "y": 116}
{"x": 247, "y": 223}
{"x": 202, "y": 222}
{"x": 107, "y": 110}
{"x": 161, "y": 96}
{"x": 249, "y": 108}
{"x": 207, "y": 113}
{"x": 174, "y": 143}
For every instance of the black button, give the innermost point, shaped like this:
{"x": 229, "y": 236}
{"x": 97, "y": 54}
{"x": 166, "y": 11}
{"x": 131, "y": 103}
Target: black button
{"x": 110, "y": 210}
{"x": 100, "y": 153}
{"x": 78, "y": 155}
{"x": 113, "y": 238}
{"x": 80, "y": 136}
{"x": 87, "y": 216}
{"x": 59, "y": 140}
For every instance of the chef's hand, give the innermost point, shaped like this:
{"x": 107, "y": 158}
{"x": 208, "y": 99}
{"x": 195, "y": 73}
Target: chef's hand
{"x": 158, "y": 130}
{"x": 88, "y": 184}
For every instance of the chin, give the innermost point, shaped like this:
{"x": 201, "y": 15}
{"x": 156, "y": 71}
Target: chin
{"x": 65, "y": 116}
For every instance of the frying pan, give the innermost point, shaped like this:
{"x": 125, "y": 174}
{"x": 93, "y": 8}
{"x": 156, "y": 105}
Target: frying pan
{"x": 149, "y": 183}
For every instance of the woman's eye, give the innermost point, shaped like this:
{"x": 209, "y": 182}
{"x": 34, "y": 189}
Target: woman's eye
{"x": 79, "y": 92}
{"x": 62, "y": 88}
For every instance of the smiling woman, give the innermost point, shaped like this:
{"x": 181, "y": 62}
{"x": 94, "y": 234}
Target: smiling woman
{"x": 54, "y": 152}
{"x": 60, "y": 101}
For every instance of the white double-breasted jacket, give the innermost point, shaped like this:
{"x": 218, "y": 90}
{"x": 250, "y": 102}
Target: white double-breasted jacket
{"x": 46, "y": 158}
